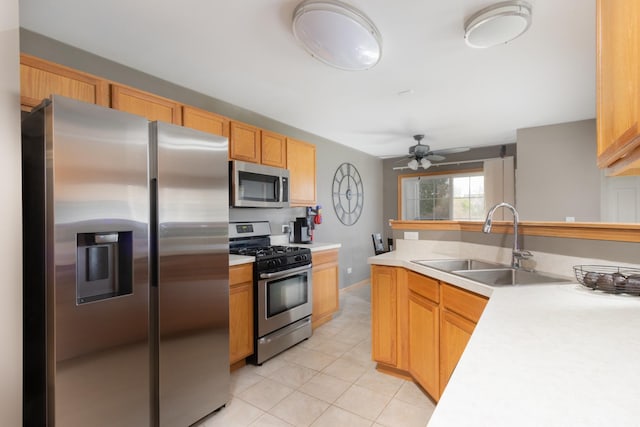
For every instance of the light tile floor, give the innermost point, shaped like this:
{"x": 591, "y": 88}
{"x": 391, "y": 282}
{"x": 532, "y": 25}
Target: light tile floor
{"x": 328, "y": 380}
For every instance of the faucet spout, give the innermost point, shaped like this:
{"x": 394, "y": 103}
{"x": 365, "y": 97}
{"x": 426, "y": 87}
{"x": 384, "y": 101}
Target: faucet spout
{"x": 517, "y": 254}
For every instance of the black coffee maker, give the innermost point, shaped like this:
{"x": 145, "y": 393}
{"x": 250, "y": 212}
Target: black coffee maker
{"x": 303, "y": 230}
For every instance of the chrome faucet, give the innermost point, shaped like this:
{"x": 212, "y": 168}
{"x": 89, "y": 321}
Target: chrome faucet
{"x": 518, "y": 254}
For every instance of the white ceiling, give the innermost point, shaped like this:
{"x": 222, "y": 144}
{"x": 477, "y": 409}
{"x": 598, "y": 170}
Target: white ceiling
{"x": 243, "y": 52}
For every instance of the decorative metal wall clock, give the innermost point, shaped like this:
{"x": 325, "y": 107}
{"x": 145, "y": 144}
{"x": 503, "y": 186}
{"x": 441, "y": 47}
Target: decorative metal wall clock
{"x": 348, "y": 194}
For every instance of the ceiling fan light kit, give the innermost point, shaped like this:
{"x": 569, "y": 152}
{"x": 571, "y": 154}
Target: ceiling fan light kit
{"x": 497, "y": 24}
{"x": 421, "y": 156}
{"x": 337, "y": 34}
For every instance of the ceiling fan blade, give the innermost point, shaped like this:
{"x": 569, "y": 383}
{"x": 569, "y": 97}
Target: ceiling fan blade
{"x": 435, "y": 157}
{"x": 451, "y": 150}
{"x": 404, "y": 159}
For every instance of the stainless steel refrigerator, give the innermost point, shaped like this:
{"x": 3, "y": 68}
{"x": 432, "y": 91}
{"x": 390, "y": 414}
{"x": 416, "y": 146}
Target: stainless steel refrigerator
{"x": 125, "y": 269}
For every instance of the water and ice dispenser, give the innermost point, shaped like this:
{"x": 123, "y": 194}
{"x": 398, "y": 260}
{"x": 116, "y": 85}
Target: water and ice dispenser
{"x": 104, "y": 267}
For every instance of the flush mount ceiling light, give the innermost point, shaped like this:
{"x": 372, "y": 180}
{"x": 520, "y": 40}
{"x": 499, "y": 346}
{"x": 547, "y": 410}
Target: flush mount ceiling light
{"x": 497, "y": 24}
{"x": 337, "y": 34}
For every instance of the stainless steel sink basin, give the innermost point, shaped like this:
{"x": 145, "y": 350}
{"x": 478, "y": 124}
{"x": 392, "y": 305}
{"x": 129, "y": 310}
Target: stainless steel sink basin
{"x": 450, "y": 265}
{"x": 508, "y": 277}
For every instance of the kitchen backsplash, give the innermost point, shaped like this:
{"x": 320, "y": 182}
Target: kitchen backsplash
{"x": 276, "y": 217}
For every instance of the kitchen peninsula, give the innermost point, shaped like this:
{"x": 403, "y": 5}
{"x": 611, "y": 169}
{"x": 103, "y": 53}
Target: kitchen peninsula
{"x": 552, "y": 355}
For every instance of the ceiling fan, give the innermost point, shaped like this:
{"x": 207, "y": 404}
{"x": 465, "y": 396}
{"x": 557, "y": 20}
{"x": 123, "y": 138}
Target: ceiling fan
{"x": 421, "y": 155}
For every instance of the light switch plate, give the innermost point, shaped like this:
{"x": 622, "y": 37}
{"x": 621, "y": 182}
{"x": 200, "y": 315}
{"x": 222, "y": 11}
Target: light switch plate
{"x": 410, "y": 235}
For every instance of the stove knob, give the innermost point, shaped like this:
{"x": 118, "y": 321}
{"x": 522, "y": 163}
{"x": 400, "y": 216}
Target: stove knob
{"x": 272, "y": 263}
{"x": 278, "y": 261}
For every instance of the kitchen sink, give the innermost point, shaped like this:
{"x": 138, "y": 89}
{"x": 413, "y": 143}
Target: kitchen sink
{"x": 508, "y": 277}
{"x": 450, "y": 265}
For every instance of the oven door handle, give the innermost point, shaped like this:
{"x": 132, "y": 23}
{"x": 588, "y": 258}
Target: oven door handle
{"x": 285, "y": 273}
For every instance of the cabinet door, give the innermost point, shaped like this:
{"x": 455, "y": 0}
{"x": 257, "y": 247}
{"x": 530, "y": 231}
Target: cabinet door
{"x": 455, "y": 332}
{"x": 383, "y": 315}
{"x": 462, "y": 302}
{"x": 618, "y": 85}
{"x": 325, "y": 286}
{"x": 205, "y": 121}
{"x": 244, "y": 142}
{"x": 274, "y": 149}
{"x": 301, "y": 162}
{"x": 40, "y": 78}
{"x": 240, "y": 322}
{"x": 424, "y": 343}
{"x": 145, "y": 104}
{"x": 240, "y": 312}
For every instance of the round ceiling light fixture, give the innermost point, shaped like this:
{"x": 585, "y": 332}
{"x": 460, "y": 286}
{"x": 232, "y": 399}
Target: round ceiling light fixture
{"x": 497, "y": 24}
{"x": 337, "y": 34}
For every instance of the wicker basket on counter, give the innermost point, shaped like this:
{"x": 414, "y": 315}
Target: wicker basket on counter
{"x": 611, "y": 279}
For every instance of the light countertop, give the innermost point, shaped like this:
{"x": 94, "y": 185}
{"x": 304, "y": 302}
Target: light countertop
{"x": 541, "y": 355}
{"x": 240, "y": 259}
{"x": 317, "y": 246}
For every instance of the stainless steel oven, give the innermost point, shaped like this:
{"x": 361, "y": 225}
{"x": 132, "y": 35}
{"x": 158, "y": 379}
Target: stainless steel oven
{"x": 283, "y": 298}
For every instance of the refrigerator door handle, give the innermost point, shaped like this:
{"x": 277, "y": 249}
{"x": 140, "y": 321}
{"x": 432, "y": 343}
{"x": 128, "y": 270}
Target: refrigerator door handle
{"x": 153, "y": 233}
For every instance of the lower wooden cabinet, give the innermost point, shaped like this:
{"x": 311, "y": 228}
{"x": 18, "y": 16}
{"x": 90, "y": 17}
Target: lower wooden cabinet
{"x": 325, "y": 286}
{"x": 460, "y": 313}
{"x": 384, "y": 314}
{"x": 420, "y": 326}
{"x": 424, "y": 333}
{"x": 455, "y": 332}
{"x": 240, "y": 312}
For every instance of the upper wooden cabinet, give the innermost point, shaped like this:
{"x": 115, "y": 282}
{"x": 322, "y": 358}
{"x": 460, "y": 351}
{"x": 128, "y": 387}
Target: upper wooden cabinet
{"x": 39, "y": 79}
{"x": 274, "y": 149}
{"x": 618, "y": 86}
{"x": 301, "y": 162}
{"x": 205, "y": 121}
{"x": 244, "y": 142}
{"x": 144, "y": 104}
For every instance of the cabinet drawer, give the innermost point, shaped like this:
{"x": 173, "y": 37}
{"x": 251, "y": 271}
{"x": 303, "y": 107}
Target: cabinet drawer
{"x": 324, "y": 257}
{"x": 240, "y": 274}
{"x": 424, "y": 286}
{"x": 465, "y": 303}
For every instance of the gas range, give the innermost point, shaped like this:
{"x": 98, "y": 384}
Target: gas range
{"x": 276, "y": 258}
{"x": 282, "y": 289}
{"x": 252, "y": 239}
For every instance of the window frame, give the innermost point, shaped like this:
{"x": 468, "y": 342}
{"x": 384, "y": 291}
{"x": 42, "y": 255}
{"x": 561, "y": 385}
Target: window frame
{"x": 462, "y": 172}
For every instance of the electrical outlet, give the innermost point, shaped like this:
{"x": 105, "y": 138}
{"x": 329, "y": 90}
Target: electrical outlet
{"x": 411, "y": 235}
{"x": 349, "y": 270}
{"x": 285, "y": 228}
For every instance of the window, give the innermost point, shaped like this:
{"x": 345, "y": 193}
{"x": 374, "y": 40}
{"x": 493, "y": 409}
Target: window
{"x": 457, "y": 196}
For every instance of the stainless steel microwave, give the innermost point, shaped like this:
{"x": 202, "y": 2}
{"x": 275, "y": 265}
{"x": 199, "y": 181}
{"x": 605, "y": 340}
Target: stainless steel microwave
{"x": 258, "y": 186}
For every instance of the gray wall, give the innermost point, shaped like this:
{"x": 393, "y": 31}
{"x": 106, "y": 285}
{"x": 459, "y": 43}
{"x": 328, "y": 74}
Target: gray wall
{"x": 557, "y": 175}
{"x": 390, "y": 176}
{"x": 11, "y": 224}
{"x": 355, "y": 240}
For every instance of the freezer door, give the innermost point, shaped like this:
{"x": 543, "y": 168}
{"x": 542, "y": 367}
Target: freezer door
{"x": 86, "y": 295}
{"x": 193, "y": 273}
